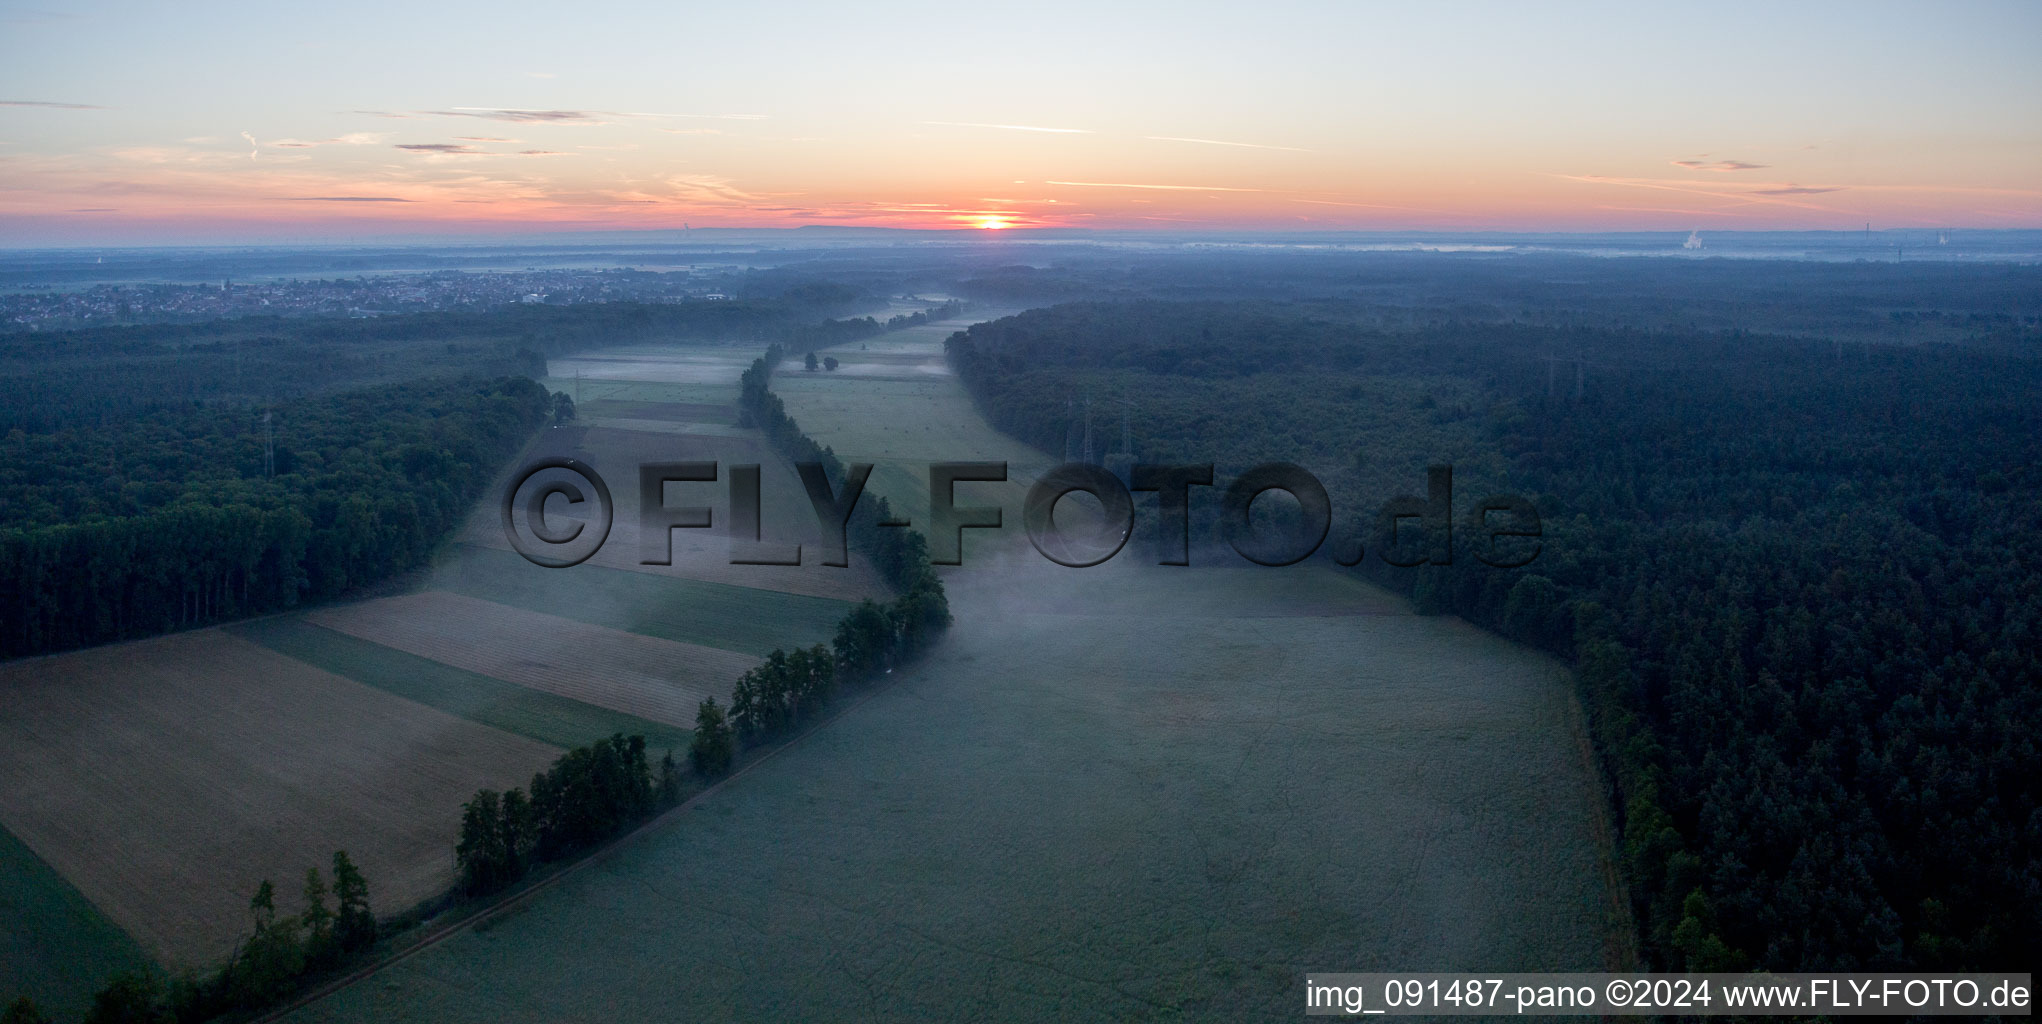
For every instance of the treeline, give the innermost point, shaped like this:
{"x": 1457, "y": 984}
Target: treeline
{"x": 588, "y": 795}
{"x": 901, "y": 555}
{"x": 280, "y": 957}
{"x": 934, "y": 314}
{"x": 591, "y": 794}
{"x": 1801, "y": 582}
{"x": 785, "y": 689}
{"x": 198, "y": 515}
{"x": 801, "y": 337}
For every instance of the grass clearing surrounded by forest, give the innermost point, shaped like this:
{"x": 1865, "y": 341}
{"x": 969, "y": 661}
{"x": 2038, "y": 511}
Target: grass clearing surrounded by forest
{"x": 1116, "y": 793}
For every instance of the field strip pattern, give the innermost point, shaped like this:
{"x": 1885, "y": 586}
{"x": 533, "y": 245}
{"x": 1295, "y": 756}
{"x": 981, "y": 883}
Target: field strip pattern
{"x": 651, "y": 678}
{"x": 166, "y": 778}
{"x": 709, "y": 562}
{"x": 484, "y": 700}
{"x": 746, "y": 620}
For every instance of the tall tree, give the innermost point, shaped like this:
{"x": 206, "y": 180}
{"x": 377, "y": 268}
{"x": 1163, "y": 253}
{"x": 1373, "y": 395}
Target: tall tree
{"x": 318, "y": 921}
{"x": 355, "y": 925}
{"x": 714, "y": 747}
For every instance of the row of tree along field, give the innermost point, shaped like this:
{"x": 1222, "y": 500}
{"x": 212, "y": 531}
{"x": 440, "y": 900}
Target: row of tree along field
{"x": 1801, "y": 583}
{"x": 281, "y": 956}
{"x": 395, "y": 440}
{"x": 592, "y": 794}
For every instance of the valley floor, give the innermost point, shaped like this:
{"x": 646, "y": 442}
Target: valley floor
{"x": 1126, "y": 792}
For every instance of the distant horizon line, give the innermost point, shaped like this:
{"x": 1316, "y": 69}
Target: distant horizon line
{"x": 670, "y": 236}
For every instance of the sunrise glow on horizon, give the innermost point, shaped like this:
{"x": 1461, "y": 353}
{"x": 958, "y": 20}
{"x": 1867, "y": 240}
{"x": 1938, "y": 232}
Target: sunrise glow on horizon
{"x": 134, "y": 123}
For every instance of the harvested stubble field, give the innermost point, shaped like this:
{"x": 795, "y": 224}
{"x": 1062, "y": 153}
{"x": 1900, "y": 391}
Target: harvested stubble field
{"x": 639, "y": 675}
{"x": 1122, "y": 793}
{"x": 166, "y": 778}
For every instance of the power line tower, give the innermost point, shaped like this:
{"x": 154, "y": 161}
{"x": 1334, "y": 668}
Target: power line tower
{"x": 1121, "y": 463}
{"x": 269, "y": 446}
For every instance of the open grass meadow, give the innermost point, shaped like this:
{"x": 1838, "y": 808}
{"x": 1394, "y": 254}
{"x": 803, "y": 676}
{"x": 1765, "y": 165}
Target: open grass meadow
{"x": 1124, "y": 815}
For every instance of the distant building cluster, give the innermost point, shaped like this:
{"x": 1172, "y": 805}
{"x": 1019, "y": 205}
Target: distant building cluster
{"x": 52, "y": 307}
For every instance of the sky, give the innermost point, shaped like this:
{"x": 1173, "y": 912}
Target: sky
{"x": 224, "y": 122}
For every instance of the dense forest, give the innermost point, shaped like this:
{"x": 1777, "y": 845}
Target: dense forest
{"x": 161, "y": 477}
{"x": 196, "y": 515}
{"x": 1798, "y": 577}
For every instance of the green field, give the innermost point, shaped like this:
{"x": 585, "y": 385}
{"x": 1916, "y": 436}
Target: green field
{"x": 55, "y": 946}
{"x": 546, "y": 717}
{"x": 902, "y": 416}
{"x": 732, "y": 618}
{"x": 1123, "y": 793}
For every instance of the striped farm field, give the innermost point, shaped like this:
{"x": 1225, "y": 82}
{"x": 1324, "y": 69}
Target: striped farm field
{"x": 165, "y": 778}
{"x": 535, "y": 714}
{"x": 645, "y": 676}
{"x": 746, "y": 620}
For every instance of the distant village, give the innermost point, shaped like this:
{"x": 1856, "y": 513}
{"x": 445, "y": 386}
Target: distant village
{"x": 51, "y": 308}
